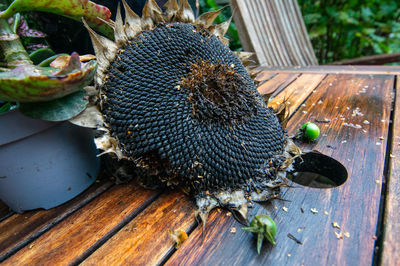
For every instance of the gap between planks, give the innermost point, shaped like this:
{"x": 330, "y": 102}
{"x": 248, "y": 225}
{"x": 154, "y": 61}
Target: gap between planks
{"x": 18, "y": 231}
{"x": 144, "y": 240}
{"x": 86, "y": 228}
{"x": 386, "y": 177}
{"x": 299, "y": 87}
{"x": 299, "y": 98}
{"x": 238, "y": 247}
{"x": 390, "y": 255}
{"x": 295, "y": 89}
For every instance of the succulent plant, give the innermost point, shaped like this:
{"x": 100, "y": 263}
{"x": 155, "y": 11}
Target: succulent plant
{"x": 42, "y": 89}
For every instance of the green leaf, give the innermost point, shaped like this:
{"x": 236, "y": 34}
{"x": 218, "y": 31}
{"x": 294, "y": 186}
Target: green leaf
{"x": 41, "y": 54}
{"x": 74, "y": 9}
{"x": 251, "y": 229}
{"x": 388, "y": 8}
{"x": 28, "y": 83}
{"x": 331, "y": 11}
{"x": 212, "y": 4}
{"x": 312, "y": 18}
{"x": 260, "y": 239}
{"x": 369, "y": 31}
{"x": 268, "y": 235}
{"x": 318, "y": 31}
{"x": 58, "y": 110}
{"x": 366, "y": 13}
{"x": 5, "y": 107}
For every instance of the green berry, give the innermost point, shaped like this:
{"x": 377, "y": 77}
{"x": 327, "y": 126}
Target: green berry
{"x": 310, "y": 131}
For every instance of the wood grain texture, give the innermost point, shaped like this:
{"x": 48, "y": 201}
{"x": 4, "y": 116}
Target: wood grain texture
{"x": 277, "y": 83}
{"x": 90, "y": 225}
{"x": 261, "y": 77}
{"x": 330, "y": 69}
{"x": 146, "y": 240}
{"x": 354, "y": 205}
{"x": 139, "y": 246}
{"x": 243, "y": 32}
{"x": 20, "y": 229}
{"x": 275, "y": 31}
{"x": 391, "y": 247}
{"x": 379, "y": 59}
{"x": 296, "y": 92}
{"x": 113, "y": 228}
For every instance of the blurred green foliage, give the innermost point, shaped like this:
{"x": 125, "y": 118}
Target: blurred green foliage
{"x": 344, "y": 29}
{"x": 340, "y": 29}
{"x": 232, "y": 34}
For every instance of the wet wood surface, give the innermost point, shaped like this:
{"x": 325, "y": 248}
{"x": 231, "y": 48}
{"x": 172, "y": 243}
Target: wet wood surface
{"x": 126, "y": 224}
{"x": 87, "y": 227}
{"x": 21, "y": 229}
{"x": 391, "y": 237}
{"x": 354, "y": 206}
{"x": 146, "y": 239}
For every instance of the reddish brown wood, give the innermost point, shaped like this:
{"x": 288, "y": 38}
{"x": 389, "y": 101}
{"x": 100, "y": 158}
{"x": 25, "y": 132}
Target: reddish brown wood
{"x": 277, "y": 83}
{"x": 146, "y": 240}
{"x": 90, "y": 225}
{"x": 331, "y": 69}
{"x": 379, "y": 59}
{"x": 354, "y": 205}
{"x": 102, "y": 231}
{"x": 20, "y": 229}
{"x": 139, "y": 246}
{"x": 297, "y": 92}
{"x": 391, "y": 248}
{"x": 262, "y": 76}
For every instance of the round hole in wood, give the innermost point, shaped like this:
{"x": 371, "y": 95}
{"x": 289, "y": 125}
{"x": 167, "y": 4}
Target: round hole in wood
{"x": 317, "y": 170}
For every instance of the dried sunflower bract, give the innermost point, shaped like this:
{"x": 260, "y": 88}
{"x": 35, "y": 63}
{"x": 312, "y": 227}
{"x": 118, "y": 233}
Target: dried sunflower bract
{"x": 175, "y": 101}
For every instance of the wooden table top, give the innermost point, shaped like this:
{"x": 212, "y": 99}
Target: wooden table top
{"x": 126, "y": 224}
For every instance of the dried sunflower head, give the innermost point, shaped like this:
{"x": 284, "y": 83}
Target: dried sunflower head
{"x": 176, "y": 102}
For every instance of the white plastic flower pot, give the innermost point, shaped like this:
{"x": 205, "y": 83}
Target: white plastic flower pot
{"x": 44, "y": 164}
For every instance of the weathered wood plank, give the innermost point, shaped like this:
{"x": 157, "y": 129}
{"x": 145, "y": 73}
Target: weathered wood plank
{"x": 391, "y": 247}
{"x": 331, "y": 69}
{"x": 20, "y": 229}
{"x": 379, "y": 59}
{"x": 277, "y": 83}
{"x": 117, "y": 247}
{"x": 186, "y": 205}
{"x": 297, "y": 91}
{"x": 275, "y": 31}
{"x": 354, "y": 205}
{"x": 146, "y": 240}
{"x": 86, "y": 228}
{"x": 269, "y": 83}
{"x": 139, "y": 246}
{"x": 262, "y": 76}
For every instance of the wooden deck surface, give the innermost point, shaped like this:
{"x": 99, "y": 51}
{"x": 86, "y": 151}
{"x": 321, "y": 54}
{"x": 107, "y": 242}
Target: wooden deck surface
{"x": 126, "y": 224}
